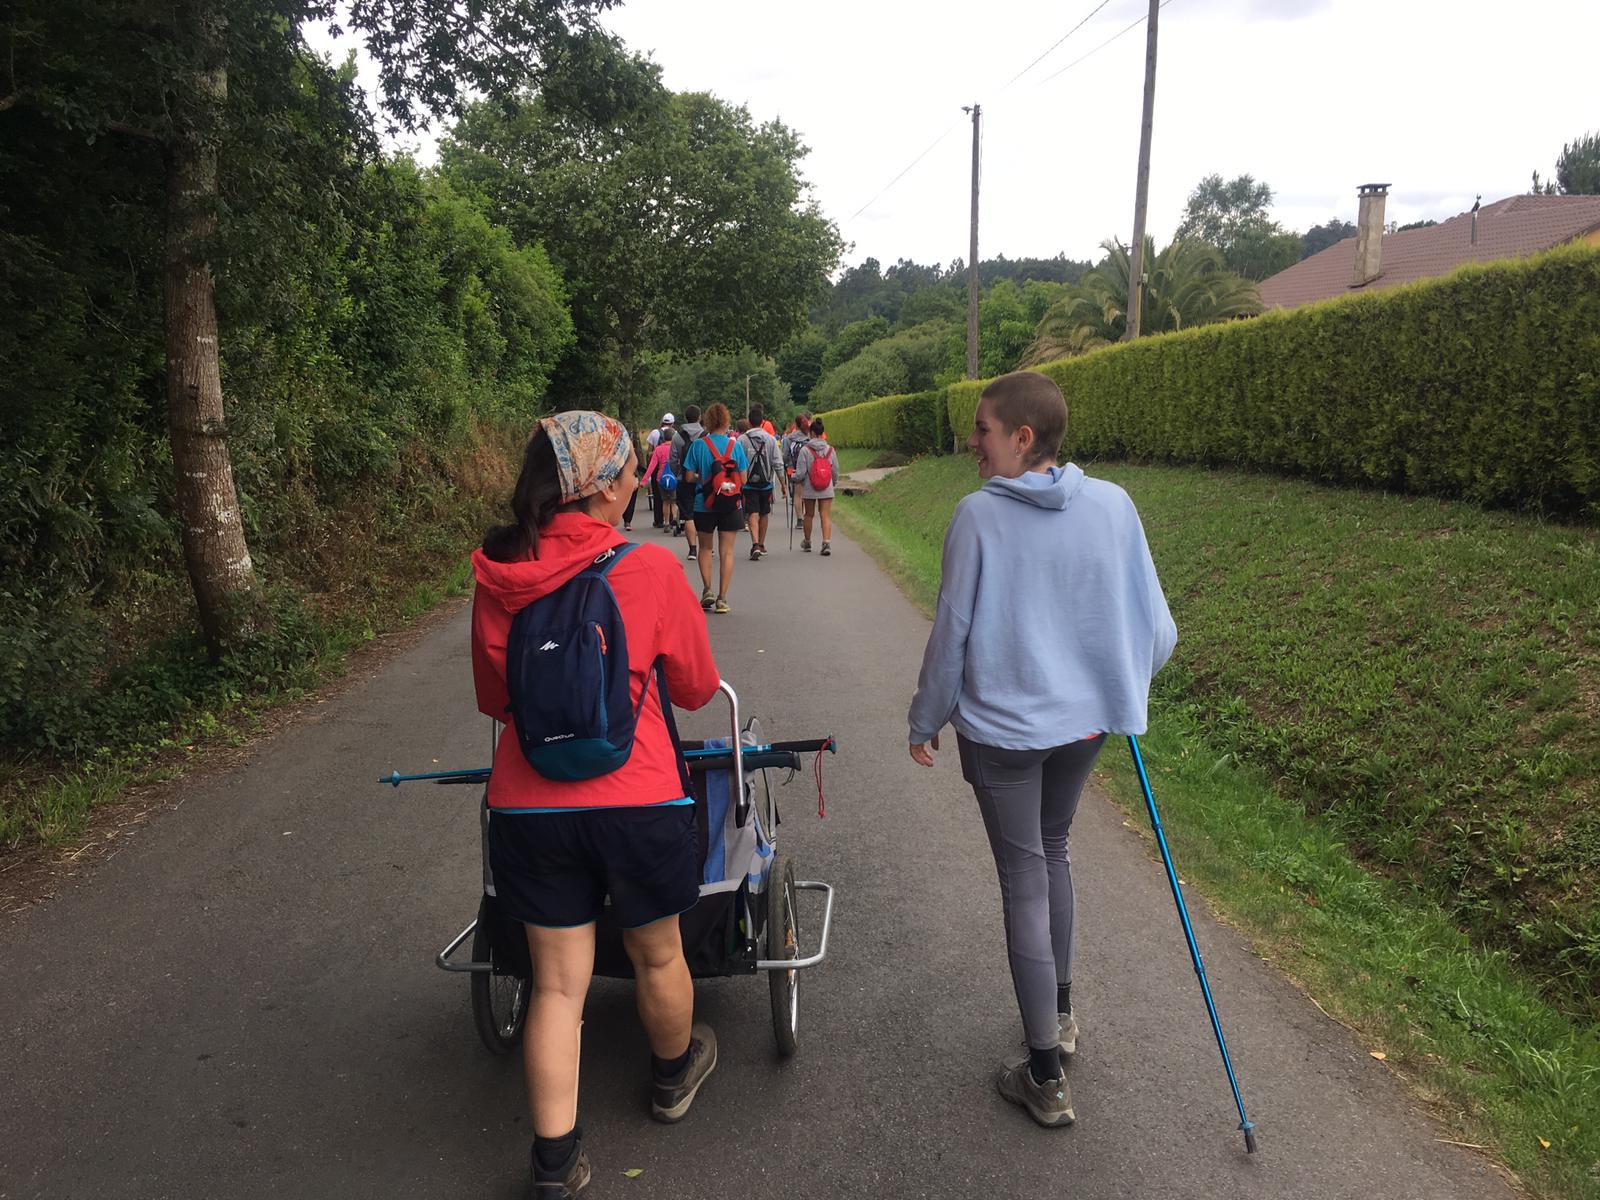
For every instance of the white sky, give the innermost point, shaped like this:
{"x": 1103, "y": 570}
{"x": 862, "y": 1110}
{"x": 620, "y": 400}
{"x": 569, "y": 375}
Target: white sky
{"x": 1444, "y": 99}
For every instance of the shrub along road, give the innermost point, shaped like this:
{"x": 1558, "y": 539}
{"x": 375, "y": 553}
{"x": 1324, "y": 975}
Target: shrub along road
{"x": 242, "y": 1001}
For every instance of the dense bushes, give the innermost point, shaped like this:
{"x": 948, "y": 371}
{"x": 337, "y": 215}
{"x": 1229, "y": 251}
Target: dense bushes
{"x": 910, "y": 425}
{"x": 360, "y": 351}
{"x": 907, "y": 361}
{"x": 1484, "y": 385}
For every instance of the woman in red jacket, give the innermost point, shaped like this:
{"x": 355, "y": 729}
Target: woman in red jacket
{"x": 557, "y": 849}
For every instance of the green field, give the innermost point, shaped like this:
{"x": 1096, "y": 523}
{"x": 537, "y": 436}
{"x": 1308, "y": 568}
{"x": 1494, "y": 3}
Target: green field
{"x": 1376, "y": 753}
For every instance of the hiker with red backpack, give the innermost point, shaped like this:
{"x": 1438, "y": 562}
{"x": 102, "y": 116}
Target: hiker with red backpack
{"x": 716, "y": 466}
{"x": 816, "y": 470}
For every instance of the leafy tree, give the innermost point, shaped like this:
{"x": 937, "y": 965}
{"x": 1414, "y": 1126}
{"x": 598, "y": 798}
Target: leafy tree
{"x": 1578, "y": 168}
{"x": 181, "y": 80}
{"x": 1188, "y": 286}
{"x": 853, "y": 339}
{"x": 1319, "y": 237}
{"x": 800, "y": 363}
{"x": 680, "y": 224}
{"x": 1232, "y": 216}
{"x": 718, "y": 378}
{"x": 908, "y": 361}
{"x": 935, "y": 303}
{"x": 1424, "y": 224}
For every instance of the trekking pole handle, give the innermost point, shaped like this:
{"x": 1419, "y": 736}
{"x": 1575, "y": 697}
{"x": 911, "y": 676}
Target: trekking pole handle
{"x": 830, "y": 744}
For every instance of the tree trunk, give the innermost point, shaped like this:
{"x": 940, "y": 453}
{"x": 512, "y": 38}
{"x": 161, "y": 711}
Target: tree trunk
{"x": 207, "y": 503}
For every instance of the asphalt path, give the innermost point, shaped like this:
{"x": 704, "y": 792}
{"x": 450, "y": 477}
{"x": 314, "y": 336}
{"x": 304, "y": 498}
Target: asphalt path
{"x": 242, "y": 1002}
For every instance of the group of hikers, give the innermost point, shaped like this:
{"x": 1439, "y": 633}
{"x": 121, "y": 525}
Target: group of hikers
{"x": 711, "y": 480}
{"x": 1050, "y": 626}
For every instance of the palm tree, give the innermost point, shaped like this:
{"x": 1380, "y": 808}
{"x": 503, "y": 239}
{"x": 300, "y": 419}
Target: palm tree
{"x": 1188, "y": 286}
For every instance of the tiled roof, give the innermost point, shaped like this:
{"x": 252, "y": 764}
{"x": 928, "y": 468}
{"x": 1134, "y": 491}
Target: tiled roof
{"x": 1512, "y": 228}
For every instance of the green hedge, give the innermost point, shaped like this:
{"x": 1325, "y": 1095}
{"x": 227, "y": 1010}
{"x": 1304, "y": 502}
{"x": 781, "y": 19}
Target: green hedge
{"x": 912, "y": 424}
{"x": 1484, "y": 384}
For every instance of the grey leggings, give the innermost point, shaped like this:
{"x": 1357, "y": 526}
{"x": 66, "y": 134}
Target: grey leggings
{"x": 1028, "y": 799}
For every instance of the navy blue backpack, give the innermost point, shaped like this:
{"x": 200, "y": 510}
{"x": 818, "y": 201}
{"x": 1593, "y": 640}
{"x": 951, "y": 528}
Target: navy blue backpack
{"x": 567, "y": 674}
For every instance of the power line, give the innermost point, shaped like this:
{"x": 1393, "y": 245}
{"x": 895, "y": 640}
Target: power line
{"x": 907, "y": 169}
{"x": 1056, "y": 43}
{"x": 1100, "y": 47}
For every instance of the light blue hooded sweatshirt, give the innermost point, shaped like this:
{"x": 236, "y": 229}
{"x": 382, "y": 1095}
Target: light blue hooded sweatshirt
{"x": 1051, "y": 621}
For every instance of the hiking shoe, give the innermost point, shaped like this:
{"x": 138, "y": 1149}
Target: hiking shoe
{"x": 627, "y": 527}
{"x": 566, "y": 1181}
{"x": 755, "y": 553}
{"x": 722, "y": 606}
{"x": 805, "y": 544}
{"x": 707, "y": 600}
{"x": 669, "y": 1102}
{"x": 1069, "y": 1032}
{"x": 1048, "y": 1103}
{"x": 763, "y": 548}
{"x": 825, "y": 550}
{"x": 693, "y": 557}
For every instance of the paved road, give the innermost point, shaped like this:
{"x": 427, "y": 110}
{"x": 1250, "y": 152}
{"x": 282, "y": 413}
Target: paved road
{"x": 242, "y": 1002}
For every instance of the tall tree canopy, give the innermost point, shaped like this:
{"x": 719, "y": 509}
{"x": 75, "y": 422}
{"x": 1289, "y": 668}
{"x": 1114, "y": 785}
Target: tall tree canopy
{"x": 206, "y": 92}
{"x": 1232, "y": 216}
{"x": 681, "y": 225}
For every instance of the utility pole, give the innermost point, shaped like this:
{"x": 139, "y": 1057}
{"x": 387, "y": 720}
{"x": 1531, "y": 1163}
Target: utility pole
{"x": 1141, "y": 196}
{"x": 972, "y": 255}
{"x": 747, "y": 397}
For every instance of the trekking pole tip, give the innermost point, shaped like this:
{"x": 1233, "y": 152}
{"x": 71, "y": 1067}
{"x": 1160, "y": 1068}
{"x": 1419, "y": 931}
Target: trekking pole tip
{"x": 1249, "y": 1137}
{"x": 392, "y": 778}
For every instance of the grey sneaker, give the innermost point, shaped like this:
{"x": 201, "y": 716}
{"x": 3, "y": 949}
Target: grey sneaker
{"x": 1069, "y": 1032}
{"x": 670, "y": 1102}
{"x": 571, "y": 1181}
{"x": 826, "y": 549}
{"x": 1049, "y": 1103}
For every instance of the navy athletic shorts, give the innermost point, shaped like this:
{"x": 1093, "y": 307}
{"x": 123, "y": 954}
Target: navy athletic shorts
{"x": 555, "y": 869}
{"x": 720, "y": 522}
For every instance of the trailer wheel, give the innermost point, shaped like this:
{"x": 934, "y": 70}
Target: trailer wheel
{"x": 499, "y": 999}
{"x": 783, "y": 942}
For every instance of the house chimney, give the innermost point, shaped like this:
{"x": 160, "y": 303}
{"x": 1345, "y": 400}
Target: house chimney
{"x": 1369, "y": 233}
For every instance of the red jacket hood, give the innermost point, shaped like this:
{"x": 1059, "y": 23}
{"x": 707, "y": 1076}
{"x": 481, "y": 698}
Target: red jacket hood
{"x": 569, "y": 543}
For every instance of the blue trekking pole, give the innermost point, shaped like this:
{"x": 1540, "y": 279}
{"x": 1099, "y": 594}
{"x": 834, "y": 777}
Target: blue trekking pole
{"x": 1245, "y": 1123}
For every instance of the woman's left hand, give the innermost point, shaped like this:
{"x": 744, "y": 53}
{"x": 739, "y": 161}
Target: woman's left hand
{"x": 922, "y": 752}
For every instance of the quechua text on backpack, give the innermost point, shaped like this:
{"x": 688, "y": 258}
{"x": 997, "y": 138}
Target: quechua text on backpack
{"x": 724, "y": 486}
{"x": 567, "y": 675}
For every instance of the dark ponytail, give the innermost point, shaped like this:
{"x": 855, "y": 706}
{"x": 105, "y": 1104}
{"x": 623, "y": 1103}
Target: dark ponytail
{"x": 536, "y": 499}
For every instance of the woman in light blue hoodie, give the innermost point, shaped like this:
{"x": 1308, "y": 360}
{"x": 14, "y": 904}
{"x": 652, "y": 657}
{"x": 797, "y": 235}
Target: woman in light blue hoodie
{"x": 1051, "y": 624}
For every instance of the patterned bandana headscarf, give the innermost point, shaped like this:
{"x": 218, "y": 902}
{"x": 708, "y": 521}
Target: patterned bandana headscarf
{"x": 591, "y": 450}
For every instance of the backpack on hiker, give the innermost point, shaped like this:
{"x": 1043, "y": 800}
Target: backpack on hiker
{"x": 724, "y": 485}
{"x": 567, "y": 676}
{"x": 791, "y": 455}
{"x": 820, "y": 476}
{"x": 759, "y": 476}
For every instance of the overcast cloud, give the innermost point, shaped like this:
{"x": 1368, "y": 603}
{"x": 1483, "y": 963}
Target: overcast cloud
{"x": 1444, "y": 100}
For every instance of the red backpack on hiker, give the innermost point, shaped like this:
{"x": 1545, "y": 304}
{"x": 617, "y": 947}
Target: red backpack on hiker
{"x": 820, "y": 476}
{"x": 724, "y": 488}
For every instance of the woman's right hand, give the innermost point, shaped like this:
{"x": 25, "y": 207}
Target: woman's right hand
{"x": 922, "y": 752}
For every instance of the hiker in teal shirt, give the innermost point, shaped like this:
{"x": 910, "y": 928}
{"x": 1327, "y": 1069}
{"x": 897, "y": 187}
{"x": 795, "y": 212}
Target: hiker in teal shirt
{"x": 717, "y": 465}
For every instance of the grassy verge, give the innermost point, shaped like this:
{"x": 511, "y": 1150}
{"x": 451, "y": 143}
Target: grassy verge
{"x": 854, "y": 458}
{"x": 1498, "y": 1040}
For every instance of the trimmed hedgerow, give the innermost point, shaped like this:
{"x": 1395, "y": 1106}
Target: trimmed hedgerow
{"x": 912, "y": 424}
{"x": 1484, "y": 385}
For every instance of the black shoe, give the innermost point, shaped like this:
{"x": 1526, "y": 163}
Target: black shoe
{"x": 567, "y": 1180}
{"x": 670, "y": 1102}
{"x": 693, "y": 557}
